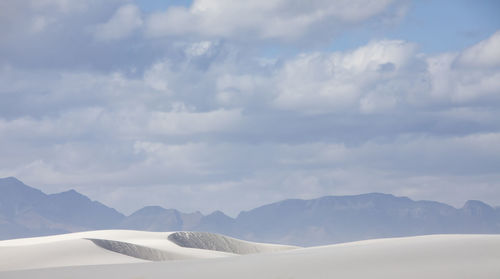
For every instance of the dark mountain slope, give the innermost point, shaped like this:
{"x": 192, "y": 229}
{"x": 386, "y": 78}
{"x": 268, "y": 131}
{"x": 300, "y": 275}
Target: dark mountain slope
{"x": 25, "y": 211}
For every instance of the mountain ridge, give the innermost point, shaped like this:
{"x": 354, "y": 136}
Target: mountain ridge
{"x": 26, "y": 211}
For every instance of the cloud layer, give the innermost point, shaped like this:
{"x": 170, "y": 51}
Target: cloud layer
{"x": 275, "y": 19}
{"x": 186, "y": 108}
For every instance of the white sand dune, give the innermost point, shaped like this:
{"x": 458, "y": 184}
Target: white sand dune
{"x": 435, "y": 256}
{"x": 121, "y": 246}
{"x": 217, "y": 242}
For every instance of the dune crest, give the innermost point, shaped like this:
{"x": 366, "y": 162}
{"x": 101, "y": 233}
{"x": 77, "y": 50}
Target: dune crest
{"x": 221, "y": 243}
{"x": 121, "y": 247}
{"x": 136, "y": 254}
{"x": 134, "y": 250}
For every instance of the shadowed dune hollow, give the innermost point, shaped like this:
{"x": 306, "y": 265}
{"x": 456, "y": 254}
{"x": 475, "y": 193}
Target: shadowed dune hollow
{"x": 133, "y": 250}
{"x": 217, "y": 242}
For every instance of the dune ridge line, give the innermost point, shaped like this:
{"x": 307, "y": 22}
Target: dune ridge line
{"x": 133, "y": 250}
{"x": 221, "y": 243}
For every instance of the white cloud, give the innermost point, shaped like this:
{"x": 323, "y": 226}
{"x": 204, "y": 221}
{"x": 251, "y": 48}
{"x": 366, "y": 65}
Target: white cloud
{"x": 185, "y": 122}
{"x": 384, "y": 75}
{"x": 122, "y": 24}
{"x": 158, "y": 75}
{"x": 195, "y": 119}
{"x": 63, "y": 6}
{"x": 271, "y": 19}
{"x": 485, "y": 53}
{"x": 199, "y": 48}
{"x": 369, "y": 78}
{"x": 40, "y": 23}
{"x": 375, "y": 103}
{"x": 467, "y": 76}
{"x": 241, "y": 90}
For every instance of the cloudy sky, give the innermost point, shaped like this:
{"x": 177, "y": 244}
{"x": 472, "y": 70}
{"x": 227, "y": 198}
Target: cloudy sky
{"x": 223, "y": 104}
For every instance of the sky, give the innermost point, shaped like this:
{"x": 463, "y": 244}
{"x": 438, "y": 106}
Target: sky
{"x": 228, "y": 105}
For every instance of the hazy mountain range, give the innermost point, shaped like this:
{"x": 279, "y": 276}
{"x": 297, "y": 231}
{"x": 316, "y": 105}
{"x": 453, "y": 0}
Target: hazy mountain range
{"x": 26, "y": 211}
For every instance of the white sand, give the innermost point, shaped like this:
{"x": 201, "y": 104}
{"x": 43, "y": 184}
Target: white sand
{"x": 437, "y": 256}
{"x": 119, "y": 246}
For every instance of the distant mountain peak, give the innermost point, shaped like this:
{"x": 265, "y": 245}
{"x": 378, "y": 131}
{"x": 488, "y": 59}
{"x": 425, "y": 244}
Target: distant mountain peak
{"x": 14, "y": 182}
{"x": 150, "y": 209}
{"x": 70, "y": 192}
{"x": 27, "y": 211}
{"x": 476, "y": 204}
{"x": 11, "y": 179}
{"x": 72, "y": 195}
{"x": 218, "y": 213}
{"x": 477, "y": 208}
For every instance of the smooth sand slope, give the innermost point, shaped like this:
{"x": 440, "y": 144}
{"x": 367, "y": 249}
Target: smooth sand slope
{"x": 437, "y": 256}
{"x": 121, "y": 246}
